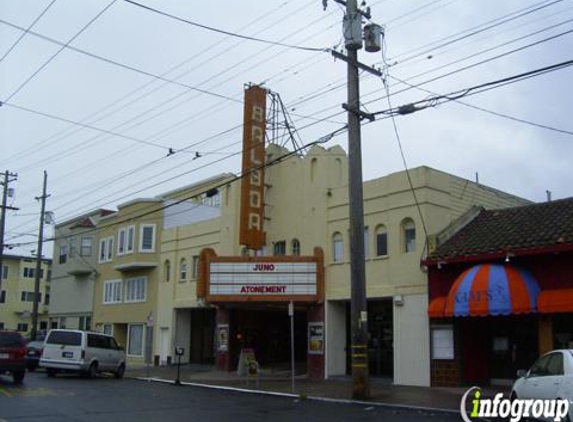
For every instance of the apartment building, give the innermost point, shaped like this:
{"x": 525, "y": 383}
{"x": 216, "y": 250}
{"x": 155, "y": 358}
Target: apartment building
{"x": 74, "y": 270}
{"x": 17, "y": 293}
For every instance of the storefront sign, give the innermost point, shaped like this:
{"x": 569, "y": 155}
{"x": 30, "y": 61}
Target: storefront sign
{"x": 316, "y": 338}
{"x": 223, "y": 337}
{"x": 276, "y": 279}
{"x": 251, "y": 232}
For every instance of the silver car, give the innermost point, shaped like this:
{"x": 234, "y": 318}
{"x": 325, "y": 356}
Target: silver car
{"x": 83, "y": 352}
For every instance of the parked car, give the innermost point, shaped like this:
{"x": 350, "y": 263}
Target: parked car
{"x": 551, "y": 377}
{"x": 82, "y": 352}
{"x": 13, "y": 355}
{"x": 35, "y": 349}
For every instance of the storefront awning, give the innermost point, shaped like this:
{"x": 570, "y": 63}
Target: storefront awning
{"x": 554, "y": 301}
{"x": 492, "y": 289}
{"x": 437, "y": 307}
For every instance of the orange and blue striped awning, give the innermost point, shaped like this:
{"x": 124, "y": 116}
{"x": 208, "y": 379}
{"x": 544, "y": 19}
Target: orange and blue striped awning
{"x": 492, "y": 289}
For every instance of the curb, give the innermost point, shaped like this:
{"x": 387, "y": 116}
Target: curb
{"x": 297, "y": 396}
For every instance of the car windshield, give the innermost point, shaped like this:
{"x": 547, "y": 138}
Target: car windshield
{"x": 64, "y": 337}
{"x": 11, "y": 339}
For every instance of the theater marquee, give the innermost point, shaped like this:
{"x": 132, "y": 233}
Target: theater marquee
{"x": 271, "y": 279}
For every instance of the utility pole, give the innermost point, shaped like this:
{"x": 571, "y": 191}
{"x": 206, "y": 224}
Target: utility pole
{"x": 358, "y": 304}
{"x": 39, "y": 259}
{"x": 8, "y": 177}
{"x": 352, "y": 28}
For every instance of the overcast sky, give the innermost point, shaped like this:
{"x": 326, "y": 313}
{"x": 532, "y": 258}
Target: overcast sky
{"x": 90, "y": 168}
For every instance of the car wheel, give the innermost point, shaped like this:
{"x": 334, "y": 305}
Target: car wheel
{"x": 120, "y": 371}
{"x": 18, "y": 376}
{"x": 92, "y": 370}
{"x": 51, "y": 372}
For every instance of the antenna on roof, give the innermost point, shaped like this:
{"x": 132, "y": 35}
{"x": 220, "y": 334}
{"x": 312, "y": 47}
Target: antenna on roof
{"x": 477, "y": 178}
{"x": 548, "y": 192}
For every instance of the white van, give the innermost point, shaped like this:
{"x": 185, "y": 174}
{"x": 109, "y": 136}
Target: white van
{"x": 84, "y": 352}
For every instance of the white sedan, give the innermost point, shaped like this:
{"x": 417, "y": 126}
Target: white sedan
{"x": 551, "y": 377}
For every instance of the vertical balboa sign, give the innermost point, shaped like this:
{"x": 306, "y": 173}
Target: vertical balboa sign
{"x": 251, "y": 233}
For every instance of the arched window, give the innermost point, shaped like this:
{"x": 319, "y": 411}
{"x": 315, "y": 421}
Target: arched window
{"x": 167, "y": 270}
{"x": 313, "y": 169}
{"x": 381, "y": 240}
{"x": 183, "y": 270}
{"x": 409, "y": 235}
{"x": 295, "y": 247}
{"x": 337, "y": 247}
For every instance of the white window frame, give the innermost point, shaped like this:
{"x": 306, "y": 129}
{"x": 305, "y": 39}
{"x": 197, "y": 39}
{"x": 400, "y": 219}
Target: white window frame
{"x": 130, "y": 233}
{"x": 105, "y": 250}
{"x": 140, "y": 293}
{"x": 442, "y": 342}
{"x": 121, "y": 241}
{"x": 103, "y": 330}
{"x": 183, "y": 270}
{"x": 127, "y": 351}
{"x": 142, "y": 227}
{"x": 114, "y": 297}
{"x": 83, "y": 247}
{"x": 102, "y": 252}
{"x": 109, "y": 249}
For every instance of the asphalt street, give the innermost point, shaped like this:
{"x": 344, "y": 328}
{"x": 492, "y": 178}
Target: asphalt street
{"x": 105, "y": 399}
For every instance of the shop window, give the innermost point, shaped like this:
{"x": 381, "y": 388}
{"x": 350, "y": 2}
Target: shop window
{"x": 443, "y": 342}
{"x": 337, "y": 247}
{"x": 22, "y": 327}
{"x": 381, "y": 241}
{"x": 279, "y": 248}
{"x": 43, "y": 325}
{"x": 409, "y": 235}
{"x": 295, "y": 247}
{"x": 167, "y": 270}
{"x": 135, "y": 340}
{"x": 183, "y": 270}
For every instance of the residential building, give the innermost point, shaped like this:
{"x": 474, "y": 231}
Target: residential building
{"x": 501, "y": 292}
{"x": 128, "y": 273}
{"x": 73, "y": 271}
{"x": 17, "y": 293}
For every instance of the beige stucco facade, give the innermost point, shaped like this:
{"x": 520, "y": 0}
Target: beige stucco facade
{"x": 306, "y": 200}
{"x": 17, "y": 297}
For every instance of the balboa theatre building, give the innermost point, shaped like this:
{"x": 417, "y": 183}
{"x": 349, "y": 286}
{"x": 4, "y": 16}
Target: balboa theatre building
{"x": 280, "y": 236}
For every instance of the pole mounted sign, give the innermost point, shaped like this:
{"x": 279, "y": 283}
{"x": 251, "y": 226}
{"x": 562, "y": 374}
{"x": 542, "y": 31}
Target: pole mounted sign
{"x": 251, "y": 232}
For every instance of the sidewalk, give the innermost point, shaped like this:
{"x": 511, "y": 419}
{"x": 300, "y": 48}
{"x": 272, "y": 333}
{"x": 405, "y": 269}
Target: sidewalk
{"x": 382, "y": 391}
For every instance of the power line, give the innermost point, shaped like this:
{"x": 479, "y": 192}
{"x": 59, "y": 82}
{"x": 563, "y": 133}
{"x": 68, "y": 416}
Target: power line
{"x": 221, "y": 31}
{"x": 495, "y": 113}
{"x": 33, "y": 75}
{"x": 27, "y": 30}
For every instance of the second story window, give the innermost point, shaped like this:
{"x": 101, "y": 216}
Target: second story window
{"x": 86, "y": 246}
{"x": 183, "y": 270}
{"x": 195, "y": 267}
{"x": 121, "y": 241}
{"x": 136, "y": 289}
{"x": 3, "y": 296}
{"x": 63, "y": 257}
{"x": 29, "y": 272}
{"x": 112, "y": 292}
{"x": 147, "y": 238}
{"x": 295, "y": 247}
{"x": 106, "y": 249}
{"x": 130, "y": 241}
{"x": 279, "y": 248}
{"x": 29, "y": 297}
{"x": 409, "y": 235}
{"x": 381, "y": 241}
{"x": 337, "y": 247}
